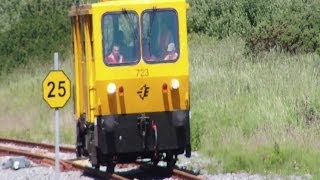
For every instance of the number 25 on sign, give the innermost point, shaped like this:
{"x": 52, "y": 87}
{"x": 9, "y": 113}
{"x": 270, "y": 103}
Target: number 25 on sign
{"x": 56, "y": 89}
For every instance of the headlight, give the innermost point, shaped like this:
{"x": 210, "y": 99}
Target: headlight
{"x": 175, "y": 84}
{"x": 111, "y": 88}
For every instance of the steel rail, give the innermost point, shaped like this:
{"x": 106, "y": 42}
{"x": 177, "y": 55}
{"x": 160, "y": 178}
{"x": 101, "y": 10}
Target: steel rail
{"x": 185, "y": 175}
{"x": 69, "y": 164}
{"x": 41, "y": 145}
{"x": 176, "y": 173}
{"x": 64, "y": 165}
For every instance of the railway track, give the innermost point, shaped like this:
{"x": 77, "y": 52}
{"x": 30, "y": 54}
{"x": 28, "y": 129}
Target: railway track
{"x": 175, "y": 174}
{"x": 68, "y": 165}
{"x": 47, "y": 147}
{"x": 64, "y": 164}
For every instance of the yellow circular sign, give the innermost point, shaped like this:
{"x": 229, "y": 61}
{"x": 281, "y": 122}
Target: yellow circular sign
{"x": 56, "y": 89}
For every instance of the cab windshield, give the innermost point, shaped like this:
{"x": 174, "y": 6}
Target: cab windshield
{"x": 160, "y": 36}
{"x": 120, "y": 38}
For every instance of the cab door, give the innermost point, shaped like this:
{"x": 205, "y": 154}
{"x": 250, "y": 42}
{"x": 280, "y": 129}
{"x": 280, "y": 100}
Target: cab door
{"x": 83, "y": 66}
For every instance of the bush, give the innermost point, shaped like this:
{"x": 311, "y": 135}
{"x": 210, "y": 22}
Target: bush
{"x": 222, "y": 18}
{"x": 39, "y": 29}
{"x": 286, "y": 25}
{"x": 295, "y": 30}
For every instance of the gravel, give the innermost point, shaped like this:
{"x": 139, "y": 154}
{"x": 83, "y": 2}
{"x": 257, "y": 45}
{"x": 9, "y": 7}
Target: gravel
{"x": 245, "y": 176}
{"x": 36, "y": 172}
{"x": 197, "y": 164}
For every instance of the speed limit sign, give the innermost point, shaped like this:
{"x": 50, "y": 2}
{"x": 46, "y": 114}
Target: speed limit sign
{"x": 56, "y": 89}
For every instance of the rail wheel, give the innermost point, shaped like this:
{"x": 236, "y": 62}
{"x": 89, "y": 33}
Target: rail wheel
{"x": 156, "y": 158}
{"x": 110, "y": 165}
{"x": 79, "y": 141}
{"x": 95, "y": 157}
{"x": 171, "y": 161}
{"x": 96, "y": 166}
{"x": 155, "y": 161}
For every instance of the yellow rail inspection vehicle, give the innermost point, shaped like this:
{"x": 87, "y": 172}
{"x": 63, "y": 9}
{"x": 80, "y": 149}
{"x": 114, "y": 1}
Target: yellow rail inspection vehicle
{"x": 131, "y": 83}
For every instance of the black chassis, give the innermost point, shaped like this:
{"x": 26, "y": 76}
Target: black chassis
{"x": 124, "y": 138}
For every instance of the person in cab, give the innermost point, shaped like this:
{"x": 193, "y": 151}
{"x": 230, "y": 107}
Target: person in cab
{"x": 171, "y": 52}
{"x": 114, "y": 57}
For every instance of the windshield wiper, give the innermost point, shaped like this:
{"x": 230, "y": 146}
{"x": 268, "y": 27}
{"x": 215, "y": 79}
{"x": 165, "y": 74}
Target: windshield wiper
{"x": 153, "y": 12}
{"x": 126, "y": 15}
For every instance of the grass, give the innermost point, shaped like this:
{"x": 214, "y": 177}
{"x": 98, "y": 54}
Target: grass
{"x": 255, "y": 114}
{"x": 24, "y": 113}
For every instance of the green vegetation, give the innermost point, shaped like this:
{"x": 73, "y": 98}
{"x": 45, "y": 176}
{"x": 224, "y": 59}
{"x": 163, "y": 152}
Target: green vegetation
{"x": 285, "y": 25}
{"x": 254, "y": 114}
{"x": 295, "y": 29}
{"x": 24, "y": 113}
{"x": 33, "y": 30}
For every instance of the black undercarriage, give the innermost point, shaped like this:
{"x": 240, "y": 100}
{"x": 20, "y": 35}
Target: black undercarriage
{"x": 124, "y": 138}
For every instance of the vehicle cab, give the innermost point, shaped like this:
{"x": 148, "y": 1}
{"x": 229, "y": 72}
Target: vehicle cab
{"x": 131, "y": 78}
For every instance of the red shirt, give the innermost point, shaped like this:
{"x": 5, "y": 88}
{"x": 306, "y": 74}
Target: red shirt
{"x": 114, "y": 59}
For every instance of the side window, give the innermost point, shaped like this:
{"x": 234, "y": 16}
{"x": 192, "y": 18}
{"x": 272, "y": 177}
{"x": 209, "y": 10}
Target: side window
{"x": 160, "y": 41}
{"x": 120, "y": 38}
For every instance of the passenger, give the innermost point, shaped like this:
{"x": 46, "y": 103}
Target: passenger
{"x": 114, "y": 57}
{"x": 171, "y": 52}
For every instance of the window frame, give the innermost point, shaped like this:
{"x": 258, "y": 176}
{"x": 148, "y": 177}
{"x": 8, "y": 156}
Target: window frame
{"x": 161, "y": 61}
{"x": 138, "y": 38}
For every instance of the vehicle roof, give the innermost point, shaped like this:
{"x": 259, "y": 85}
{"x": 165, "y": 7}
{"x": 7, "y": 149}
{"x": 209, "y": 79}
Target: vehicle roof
{"x": 135, "y": 2}
{"x": 143, "y": 1}
{"x": 85, "y": 8}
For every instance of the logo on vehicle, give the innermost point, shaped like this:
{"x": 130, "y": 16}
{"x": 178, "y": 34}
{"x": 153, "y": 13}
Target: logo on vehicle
{"x": 144, "y": 91}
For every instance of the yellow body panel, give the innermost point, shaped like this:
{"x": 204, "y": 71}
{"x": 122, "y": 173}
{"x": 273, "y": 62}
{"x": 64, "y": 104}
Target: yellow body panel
{"x": 77, "y": 66}
{"x": 143, "y": 95}
{"x": 92, "y": 78}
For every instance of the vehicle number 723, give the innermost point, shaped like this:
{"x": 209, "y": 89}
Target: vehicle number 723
{"x": 142, "y": 72}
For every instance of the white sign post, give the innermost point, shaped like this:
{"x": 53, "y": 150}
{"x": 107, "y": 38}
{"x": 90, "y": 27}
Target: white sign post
{"x": 57, "y": 120}
{"x": 56, "y": 92}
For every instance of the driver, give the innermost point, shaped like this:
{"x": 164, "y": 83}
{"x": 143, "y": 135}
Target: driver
{"x": 114, "y": 57}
